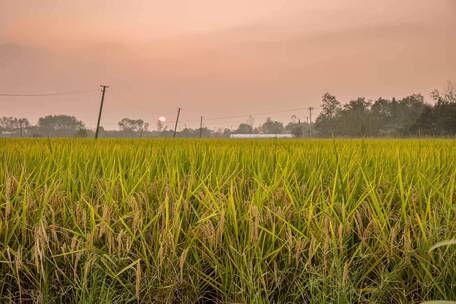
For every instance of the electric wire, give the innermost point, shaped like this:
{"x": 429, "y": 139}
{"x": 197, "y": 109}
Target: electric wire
{"x": 47, "y": 94}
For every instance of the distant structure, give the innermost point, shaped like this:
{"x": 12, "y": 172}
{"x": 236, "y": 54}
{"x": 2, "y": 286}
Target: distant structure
{"x": 8, "y": 133}
{"x": 261, "y": 135}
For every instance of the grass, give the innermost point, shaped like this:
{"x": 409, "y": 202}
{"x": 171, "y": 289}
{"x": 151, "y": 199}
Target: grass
{"x": 320, "y": 221}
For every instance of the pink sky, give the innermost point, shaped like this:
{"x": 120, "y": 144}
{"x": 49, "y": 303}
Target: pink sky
{"x": 218, "y": 58}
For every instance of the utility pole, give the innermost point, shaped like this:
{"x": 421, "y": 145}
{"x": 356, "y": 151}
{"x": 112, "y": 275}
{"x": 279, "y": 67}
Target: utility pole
{"x": 310, "y": 121}
{"x": 101, "y": 109}
{"x": 307, "y": 121}
{"x": 20, "y": 125}
{"x": 201, "y": 127}
{"x": 177, "y": 120}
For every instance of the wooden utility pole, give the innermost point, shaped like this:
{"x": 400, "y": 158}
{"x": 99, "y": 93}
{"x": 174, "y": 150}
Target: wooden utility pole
{"x": 201, "y": 127}
{"x": 101, "y": 109}
{"x": 310, "y": 121}
{"x": 177, "y": 120}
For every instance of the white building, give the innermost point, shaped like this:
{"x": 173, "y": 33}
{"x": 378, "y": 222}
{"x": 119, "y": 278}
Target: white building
{"x": 261, "y": 135}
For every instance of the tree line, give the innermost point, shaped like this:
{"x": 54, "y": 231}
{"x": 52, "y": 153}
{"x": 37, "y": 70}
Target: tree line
{"x": 51, "y": 125}
{"x": 70, "y": 126}
{"x": 408, "y": 116}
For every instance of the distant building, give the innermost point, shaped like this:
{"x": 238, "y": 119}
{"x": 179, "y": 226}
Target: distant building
{"x": 9, "y": 133}
{"x": 261, "y": 135}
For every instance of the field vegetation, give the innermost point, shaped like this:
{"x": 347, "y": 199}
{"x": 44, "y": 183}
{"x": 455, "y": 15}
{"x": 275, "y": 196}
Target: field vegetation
{"x": 224, "y": 221}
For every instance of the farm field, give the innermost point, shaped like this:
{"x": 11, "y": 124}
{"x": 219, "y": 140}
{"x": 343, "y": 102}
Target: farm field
{"x": 227, "y": 221}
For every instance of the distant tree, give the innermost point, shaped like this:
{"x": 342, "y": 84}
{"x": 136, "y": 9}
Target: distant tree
{"x": 426, "y": 124}
{"x": 326, "y": 122}
{"x": 354, "y": 118}
{"x": 361, "y": 117}
{"x": 446, "y": 97}
{"x": 330, "y": 106}
{"x": 359, "y": 105}
{"x": 144, "y": 128}
{"x": 59, "y": 125}
{"x": 410, "y": 109}
{"x": 24, "y": 123}
{"x": 441, "y": 118}
{"x": 272, "y": 127}
{"x": 160, "y": 125}
{"x": 132, "y": 125}
{"x": 295, "y": 126}
{"x": 244, "y": 129}
{"x": 226, "y": 132}
{"x": 294, "y": 119}
{"x": 8, "y": 123}
{"x": 188, "y": 132}
{"x": 205, "y": 132}
{"x": 82, "y": 133}
{"x": 250, "y": 121}
{"x": 13, "y": 123}
{"x": 380, "y": 116}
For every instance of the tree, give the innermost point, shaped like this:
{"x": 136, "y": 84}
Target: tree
{"x": 354, "y": 118}
{"x": 330, "y": 106}
{"x": 380, "y": 116}
{"x": 441, "y": 118}
{"x": 251, "y": 121}
{"x": 272, "y": 127}
{"x": 296, "y": 128}
{"x": 59, "y": 125}
{"x": 132, "y": 125}
{"x": 446, "y": 97}
{"x": 188, "y": 132}
{"x": 426, "y": 123}
{"x": 326, "y": 122}
{"x": 410, "y": 109}
{"x": 226, "y": 132}
{"x": 244, "y": 129}
{"x": 160, "y": 125}
{"x": 82, "y": 133}
{"x": 13, "y": 123}
{"x": 361, "y": 117}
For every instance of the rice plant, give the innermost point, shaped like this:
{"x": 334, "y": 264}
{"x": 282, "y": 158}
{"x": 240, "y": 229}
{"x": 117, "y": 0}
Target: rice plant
{"x": 226, "y": 221}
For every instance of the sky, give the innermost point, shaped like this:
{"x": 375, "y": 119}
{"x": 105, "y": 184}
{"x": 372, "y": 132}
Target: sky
{"x": 223, "y": 60}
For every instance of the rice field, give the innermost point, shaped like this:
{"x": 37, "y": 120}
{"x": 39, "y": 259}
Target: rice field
{"x": 227, "y": 221}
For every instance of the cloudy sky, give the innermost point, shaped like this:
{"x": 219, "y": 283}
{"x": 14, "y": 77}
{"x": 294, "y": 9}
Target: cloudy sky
{"x": 218, "y": 58}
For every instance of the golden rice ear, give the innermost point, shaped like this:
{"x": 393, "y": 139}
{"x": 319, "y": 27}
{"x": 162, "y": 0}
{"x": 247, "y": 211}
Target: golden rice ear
{"x": 182, "y": 259}
{"x": 442, "y": 244}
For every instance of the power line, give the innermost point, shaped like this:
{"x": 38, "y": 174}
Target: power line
{"x": 47, "y": 94}
{"x": 246, "y": 115}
